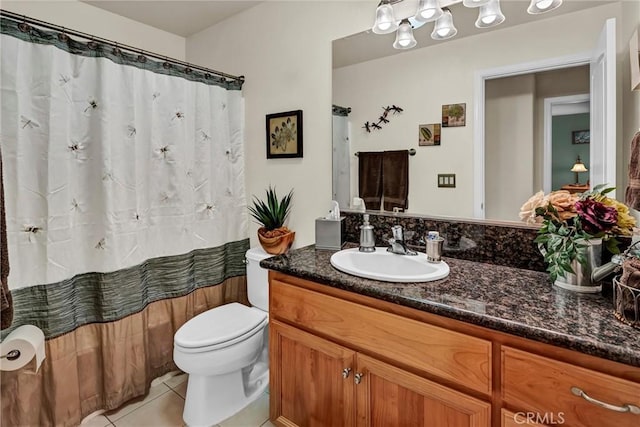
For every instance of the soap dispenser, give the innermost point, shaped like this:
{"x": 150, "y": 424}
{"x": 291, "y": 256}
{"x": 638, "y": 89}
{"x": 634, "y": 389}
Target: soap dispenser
{"x": 367, "y": 239}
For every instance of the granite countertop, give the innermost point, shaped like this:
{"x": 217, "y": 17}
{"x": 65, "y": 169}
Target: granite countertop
{"x": 512, "y": 300}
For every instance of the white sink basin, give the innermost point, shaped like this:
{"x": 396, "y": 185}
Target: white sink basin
{"x": 389, "y": 267}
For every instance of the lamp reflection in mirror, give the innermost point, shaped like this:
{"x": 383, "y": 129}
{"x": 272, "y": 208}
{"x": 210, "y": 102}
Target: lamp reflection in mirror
{"x": 490, "y": 15}
{"x": 444, "y": 28}
{"x": 577, "y": 168}
{"x": 385, "y": 20}
{"x": 542, "y": 6}
{"x": 404, "y": 36}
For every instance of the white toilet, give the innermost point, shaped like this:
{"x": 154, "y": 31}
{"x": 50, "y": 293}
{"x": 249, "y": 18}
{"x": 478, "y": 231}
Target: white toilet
{"x": 225, "y": 352}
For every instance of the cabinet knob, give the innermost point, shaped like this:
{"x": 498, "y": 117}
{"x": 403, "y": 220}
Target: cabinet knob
{"x": 345, "y": 372}
{"x": 357, "y": 378}
{"x": 627, "y": 407}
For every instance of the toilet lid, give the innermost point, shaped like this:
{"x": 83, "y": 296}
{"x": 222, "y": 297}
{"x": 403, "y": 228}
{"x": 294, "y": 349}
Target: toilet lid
{"x": 219, "y": 325}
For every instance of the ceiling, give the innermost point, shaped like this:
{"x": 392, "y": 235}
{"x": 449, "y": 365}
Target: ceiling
{"x": 183, "y": 18}
{"x": 366, "y": 46}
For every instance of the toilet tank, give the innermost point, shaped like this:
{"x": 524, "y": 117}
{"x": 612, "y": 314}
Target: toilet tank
{"x": 257, "y": 279}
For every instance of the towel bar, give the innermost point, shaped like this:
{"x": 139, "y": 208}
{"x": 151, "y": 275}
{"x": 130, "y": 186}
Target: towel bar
{"x": 412, "y": 152}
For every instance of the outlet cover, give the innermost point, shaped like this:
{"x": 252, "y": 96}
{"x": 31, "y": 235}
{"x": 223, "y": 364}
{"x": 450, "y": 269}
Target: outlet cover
{"x": 447, "y": 180}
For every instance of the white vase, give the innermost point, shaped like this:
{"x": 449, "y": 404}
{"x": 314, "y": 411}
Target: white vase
{"x": 581, "y": 280}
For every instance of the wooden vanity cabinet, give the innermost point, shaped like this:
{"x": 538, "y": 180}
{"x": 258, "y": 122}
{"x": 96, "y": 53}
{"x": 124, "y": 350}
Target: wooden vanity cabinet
{"x": 315, "y": 382}
{"x": 342, "y": 359}
{"x": 311, "y": 379}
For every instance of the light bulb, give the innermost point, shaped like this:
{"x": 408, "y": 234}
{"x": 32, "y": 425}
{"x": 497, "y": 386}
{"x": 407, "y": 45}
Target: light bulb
{"x": 404, "y": 37}
{"x": 543, "y": 4}
{"x": 490, "y": 15}
{"x": 444, "y": 28}
{"x": 385, "y": 21}
{"x": 428, "y": 10}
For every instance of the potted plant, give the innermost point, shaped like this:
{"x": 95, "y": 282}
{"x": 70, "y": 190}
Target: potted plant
{"x": 572, "y": 231}
{"x": 271, "y": 214}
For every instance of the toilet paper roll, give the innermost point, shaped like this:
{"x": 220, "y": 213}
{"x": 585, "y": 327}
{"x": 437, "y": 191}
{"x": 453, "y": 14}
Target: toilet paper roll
{"x": 29, "y": 341}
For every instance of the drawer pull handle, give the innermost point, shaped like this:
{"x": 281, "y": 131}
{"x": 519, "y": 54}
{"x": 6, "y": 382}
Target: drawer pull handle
{"x": 627, "y": 407}
{"x": 345, "y": 372}
{"x": 357, "y": 378}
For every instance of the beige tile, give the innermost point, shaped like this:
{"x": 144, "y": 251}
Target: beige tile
{"x": 268, "y": 424}
{"x": 176, "y": 380}
{"x": 181, "y": 389}
{"x": 164, "y": 411}
{"x": 134, "y": 404}
{"x": 253, "y": 415}
{"x": 165, "y": 377}
{"x": 96, "y": 421}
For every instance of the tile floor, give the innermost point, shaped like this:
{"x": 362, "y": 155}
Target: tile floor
{"x": 162, "y": 407}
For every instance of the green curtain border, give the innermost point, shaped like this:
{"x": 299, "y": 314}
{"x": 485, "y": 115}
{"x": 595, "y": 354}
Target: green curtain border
{"x": 40, "y": 36}
{"x": 59, "y": 308}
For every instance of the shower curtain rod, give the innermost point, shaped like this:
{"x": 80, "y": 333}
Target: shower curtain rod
{"x": 33, "y": 21}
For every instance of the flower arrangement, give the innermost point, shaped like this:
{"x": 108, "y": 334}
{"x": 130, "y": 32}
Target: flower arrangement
{"x": 570, "y": 220}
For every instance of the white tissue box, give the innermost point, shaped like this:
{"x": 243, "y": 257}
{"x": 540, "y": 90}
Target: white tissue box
{"x": 330, "y": 233}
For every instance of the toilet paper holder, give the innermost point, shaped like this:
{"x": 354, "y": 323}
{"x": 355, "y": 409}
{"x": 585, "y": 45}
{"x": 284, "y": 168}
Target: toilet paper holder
{"x": 12, "y": 355}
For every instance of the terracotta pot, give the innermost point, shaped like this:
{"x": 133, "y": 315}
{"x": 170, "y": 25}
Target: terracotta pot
{"x": 277, "y": 245}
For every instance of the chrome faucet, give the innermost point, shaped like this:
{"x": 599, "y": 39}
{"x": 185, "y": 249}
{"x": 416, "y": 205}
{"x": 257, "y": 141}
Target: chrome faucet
{"x": 398, "y": 245}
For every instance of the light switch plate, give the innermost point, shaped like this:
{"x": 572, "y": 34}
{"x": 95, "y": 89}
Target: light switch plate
{"x": 447, "y": 180}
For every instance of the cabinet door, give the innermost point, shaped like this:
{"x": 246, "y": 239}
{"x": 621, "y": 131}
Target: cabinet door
{"x": 389, "y": 396}
{"x": 311, "y": 379}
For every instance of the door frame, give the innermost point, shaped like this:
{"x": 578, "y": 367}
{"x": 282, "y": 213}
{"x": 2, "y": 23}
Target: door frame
{"x": 480, "y": 77}
{"x": 549, "y": 104}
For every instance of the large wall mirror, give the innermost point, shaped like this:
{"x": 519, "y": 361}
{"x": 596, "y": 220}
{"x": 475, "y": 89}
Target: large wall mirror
{"x": 526, "y": 88}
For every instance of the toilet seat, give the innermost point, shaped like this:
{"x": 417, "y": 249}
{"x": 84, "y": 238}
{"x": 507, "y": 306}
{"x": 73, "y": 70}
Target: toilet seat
{"x": 220, "y": 327}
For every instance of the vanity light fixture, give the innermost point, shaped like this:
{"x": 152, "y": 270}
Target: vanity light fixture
{"x": 541, "y": 6}
{"x": 490, "y": 15}
{"x": 404, "y": 16}
{"x": 404, "y": 36}
{"x": 444, "y": 28}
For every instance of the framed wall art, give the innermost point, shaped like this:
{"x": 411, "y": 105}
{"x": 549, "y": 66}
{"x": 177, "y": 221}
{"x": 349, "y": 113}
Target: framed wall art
{"x": 454, "y": 115}
{"x": 580, "y": 137}
{"x": 284, "y": 135}
{"x": 429, "y": 134}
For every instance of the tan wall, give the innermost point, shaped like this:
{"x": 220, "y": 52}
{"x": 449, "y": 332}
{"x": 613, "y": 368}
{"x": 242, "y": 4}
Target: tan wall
{"x": 509, "y": 119}
{"x": 284, "y": 50}
{"x": 92, "y": 20}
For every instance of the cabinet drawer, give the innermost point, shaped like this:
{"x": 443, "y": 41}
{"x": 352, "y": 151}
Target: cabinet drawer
{"x": 446, "y": 354}
{"x": 536, "y": 383}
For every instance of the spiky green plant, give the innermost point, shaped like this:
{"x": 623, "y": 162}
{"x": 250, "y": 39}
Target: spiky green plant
{"x": 274, "y": 212}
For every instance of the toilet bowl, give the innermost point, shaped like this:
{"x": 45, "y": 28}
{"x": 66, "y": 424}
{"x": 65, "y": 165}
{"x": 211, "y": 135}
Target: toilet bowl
{"x": 225, "y": 352}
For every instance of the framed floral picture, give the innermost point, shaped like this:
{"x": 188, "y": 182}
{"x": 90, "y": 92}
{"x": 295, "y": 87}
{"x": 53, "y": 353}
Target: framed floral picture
{"x": 454, "y": 115}
{"x": 284, "y": 135}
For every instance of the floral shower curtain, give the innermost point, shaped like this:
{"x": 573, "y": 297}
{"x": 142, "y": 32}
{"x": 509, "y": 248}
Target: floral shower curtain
{"x": 124, "y": 189}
